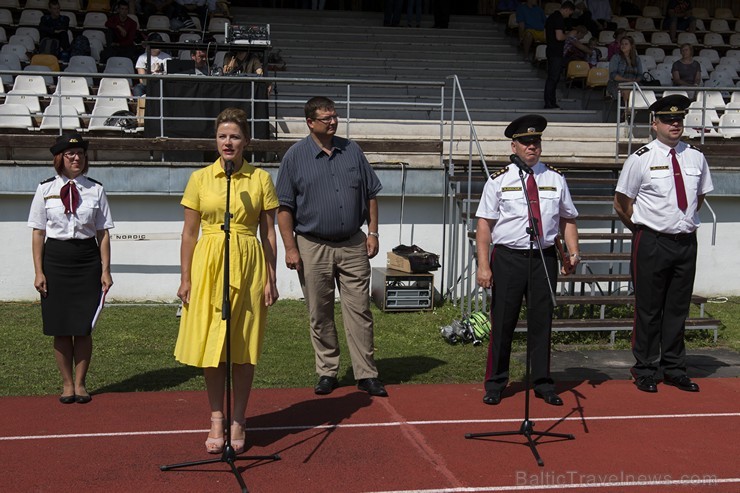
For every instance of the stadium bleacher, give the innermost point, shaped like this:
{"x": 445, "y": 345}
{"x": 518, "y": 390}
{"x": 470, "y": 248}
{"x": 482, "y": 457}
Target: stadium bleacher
{"x": 717, "y": 56}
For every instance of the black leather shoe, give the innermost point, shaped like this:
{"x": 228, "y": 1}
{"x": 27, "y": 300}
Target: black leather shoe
{"x": 683, "y": 383}
{"x": 550, "y": 397}
{"x": 67, "y": 399}
{"x": 492, "y": 397}
{"x": 372, "y": 386}
{"x": 325, "y": 386}
{"x": 83, "y": 399}
{"x": 646, "y": 384}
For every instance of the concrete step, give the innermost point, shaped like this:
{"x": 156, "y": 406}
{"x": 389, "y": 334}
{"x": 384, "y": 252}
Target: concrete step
{"x": 444, "y": 59}
{"x": 331, "y": 19}
{"x": 383, "y": 71}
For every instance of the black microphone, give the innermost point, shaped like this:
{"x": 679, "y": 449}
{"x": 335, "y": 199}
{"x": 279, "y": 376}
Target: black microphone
{"x": 520, "y": 164}
{"x": 229, "y": 167}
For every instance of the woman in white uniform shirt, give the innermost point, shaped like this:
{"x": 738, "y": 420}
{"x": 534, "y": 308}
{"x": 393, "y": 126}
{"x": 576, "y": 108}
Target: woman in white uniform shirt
{"x": 71, "y": 258}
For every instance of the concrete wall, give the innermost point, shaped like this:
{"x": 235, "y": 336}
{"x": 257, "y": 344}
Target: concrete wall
{"x": 150, "y": 269}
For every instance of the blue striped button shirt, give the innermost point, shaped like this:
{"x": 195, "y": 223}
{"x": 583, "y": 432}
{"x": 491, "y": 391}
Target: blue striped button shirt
{"x": 327, "y": 194}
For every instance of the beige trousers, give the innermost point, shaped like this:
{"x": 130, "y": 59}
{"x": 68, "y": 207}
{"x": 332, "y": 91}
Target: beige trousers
{"x": 346, "y": 264}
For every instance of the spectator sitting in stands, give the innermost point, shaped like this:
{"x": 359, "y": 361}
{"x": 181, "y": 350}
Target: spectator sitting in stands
{"x": 678, "y": 17}
{"x": 200, "y": 58}
{"x": 158, "y": 60}
{"x": 686, "y": 71}
{"x": 614, "y": 47}
{"x": 122, "y": 34}
{"x": 625, "y": 66}
{"x": 601, "y": 13}
{"x": 56, "y": 26}
{"x": 594, "y": 57}
{"x": 582, "y": 16}
{"x": 531, "y": 20}
{"x": 574, "y": 49}
{"x": 242, "y": 62}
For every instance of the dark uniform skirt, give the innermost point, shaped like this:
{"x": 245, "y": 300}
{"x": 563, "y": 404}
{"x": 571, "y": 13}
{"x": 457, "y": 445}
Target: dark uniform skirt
{"x": 73, "y": 270}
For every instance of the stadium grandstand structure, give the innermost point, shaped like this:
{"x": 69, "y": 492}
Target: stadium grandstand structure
{"x": 421, "y": 128}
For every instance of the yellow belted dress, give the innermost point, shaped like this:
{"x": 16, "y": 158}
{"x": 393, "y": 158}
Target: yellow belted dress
{"x": 201, "y": 340}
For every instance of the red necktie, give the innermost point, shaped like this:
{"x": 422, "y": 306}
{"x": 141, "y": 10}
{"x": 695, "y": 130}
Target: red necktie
{"x": 534, "y": 199}
{"x": 70, "y": 197}
{"x": 680, "y": 189}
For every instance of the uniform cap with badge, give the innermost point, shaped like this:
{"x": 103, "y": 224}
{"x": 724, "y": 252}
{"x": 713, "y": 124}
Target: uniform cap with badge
{"x": 68, "y": 141}
{"x": 526, "y": 129}
{"x": 670, "y": 108}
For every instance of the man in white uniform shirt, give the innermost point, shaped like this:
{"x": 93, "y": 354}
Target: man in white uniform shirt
{"x": 658, "y": 197}
{"x": 503, "y": 219}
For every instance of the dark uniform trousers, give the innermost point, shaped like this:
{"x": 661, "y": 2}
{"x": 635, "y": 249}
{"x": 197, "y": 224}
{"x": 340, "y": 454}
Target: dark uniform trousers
{"x": 510, "y": 283}
{"x": 663, "y": 269}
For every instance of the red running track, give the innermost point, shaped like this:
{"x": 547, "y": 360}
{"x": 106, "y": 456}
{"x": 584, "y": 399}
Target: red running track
{"x": 625, "y": 441}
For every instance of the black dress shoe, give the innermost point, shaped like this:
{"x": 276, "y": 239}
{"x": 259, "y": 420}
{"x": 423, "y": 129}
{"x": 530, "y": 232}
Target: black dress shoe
{"x": 83, "y": 399}
{"x": 646, "y": 384}
{"x": 325, "y": 386}
{"x": 550, "y": 397}
{"x": 492, "y": 397}
{"x": 67, "y": 399}
{"x": 683, "y": 383}
{"x": 372, "y": 386}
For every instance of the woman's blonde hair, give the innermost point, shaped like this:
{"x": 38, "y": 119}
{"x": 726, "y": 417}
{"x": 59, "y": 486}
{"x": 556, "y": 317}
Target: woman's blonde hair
{"x": 633, "y": 52}
{"x": 237, "y": 116}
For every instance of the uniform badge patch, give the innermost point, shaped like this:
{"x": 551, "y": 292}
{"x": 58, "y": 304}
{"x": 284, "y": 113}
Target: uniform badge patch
{"x": 554, "y": 169}
{"x": 642, "y": 150}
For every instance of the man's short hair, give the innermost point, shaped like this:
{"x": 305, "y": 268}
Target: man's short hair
{"x": 317, "y": 103}
{"x": 123, "y": 3}
{"x": 567, "y": 5}
{"x": 53, "y": 3}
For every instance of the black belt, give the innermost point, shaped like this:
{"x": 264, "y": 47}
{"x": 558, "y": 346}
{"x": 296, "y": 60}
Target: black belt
{"x": 670, "y": 236}
{"x": 75, "y": 240}
{"x": 331, "y": 240}
{"x": 549, "y": 251}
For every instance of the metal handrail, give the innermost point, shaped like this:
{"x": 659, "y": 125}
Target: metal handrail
{"x": 347, "y": 101}
{"x": 466, "y": 272}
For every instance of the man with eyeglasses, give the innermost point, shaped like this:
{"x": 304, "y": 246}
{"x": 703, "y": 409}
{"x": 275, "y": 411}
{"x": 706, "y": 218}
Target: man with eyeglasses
{"x": 658, "y": 197}
{"x": 327, "y": 192}
{"x": 503, "y": 220}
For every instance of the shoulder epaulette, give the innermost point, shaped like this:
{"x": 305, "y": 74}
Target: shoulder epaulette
{"x": 95, "y": 181}
{"x": 48, "y": 180}
{"x": 554, "y": 169}
{"x": 499, "y": 172}
{"x": 642, "y": 150}
{"x": 691, "y": 146}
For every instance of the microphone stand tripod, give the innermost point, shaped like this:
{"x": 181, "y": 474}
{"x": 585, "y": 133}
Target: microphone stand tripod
{"x": 228, "y": 455}
{"x": 526, "y": 429}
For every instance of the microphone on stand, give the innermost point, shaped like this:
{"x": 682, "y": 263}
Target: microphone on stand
{"x": 229, "y": 167}
{"x": 520, "y": 164}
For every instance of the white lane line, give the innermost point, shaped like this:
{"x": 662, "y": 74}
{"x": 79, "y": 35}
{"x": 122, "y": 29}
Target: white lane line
{"x": 379, "y": 425}
{"x": 572, "y": 486}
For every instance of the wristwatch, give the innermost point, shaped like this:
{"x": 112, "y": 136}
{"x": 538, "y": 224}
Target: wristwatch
{"x": 373, "y": 233}
{"x": 576, "y": 256}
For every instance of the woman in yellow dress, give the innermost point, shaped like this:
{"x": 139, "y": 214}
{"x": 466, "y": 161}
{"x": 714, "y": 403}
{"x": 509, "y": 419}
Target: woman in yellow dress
{"x": 202, "y": 338}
